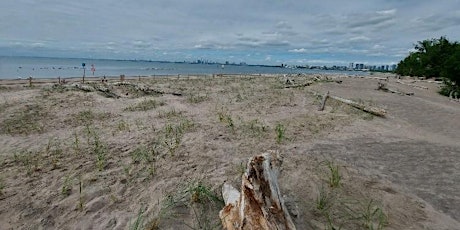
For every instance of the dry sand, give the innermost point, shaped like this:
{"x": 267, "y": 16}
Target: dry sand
{"x": 79, "y": 160}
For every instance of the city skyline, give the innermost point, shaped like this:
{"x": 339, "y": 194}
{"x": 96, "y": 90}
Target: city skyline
{"x": 295, "y": 33}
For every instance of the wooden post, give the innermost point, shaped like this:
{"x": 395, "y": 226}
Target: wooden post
{"x": 323, "y": 102}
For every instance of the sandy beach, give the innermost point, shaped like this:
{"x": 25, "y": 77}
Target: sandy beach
{"x": 131, "y": 158}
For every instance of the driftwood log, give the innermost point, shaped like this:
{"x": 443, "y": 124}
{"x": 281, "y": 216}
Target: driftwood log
{"x": 369, "y": 109}
{"x": 412, "y": 85}
{"x": 144, "y": 88}
{"x": 366, "y": 108}
{"x": 298, "y": 85}
{"x": 383, "y": 87}
{"x": 260, "y": 205}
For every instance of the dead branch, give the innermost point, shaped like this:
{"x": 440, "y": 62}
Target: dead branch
{"x": 323, "y": 102}
{"x": 383, "y": 87}
{"x": 145, "y": 89}
{"x": 369, "y": 109}
{"x": 260, "y": 204}
{"x": 299, "y": 85}
{"x": 412, "y": 85}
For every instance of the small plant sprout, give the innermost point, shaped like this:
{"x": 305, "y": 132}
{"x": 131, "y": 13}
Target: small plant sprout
{"x": 67, "y": 186}
{"x": 280, "y": 133}
{"x": 334, "y": 177}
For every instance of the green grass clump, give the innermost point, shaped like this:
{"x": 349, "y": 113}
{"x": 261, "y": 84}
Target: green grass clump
{"x": 66, "y": 189}
{"x": 173, "y": 134}
{"x": 280, "y": 133}
{"x": 334, "y": 177}
{"x": 2, "y": 186}
{"x": 97, "y": 147}
{"x": 145, "y": 105}
{"x": 169, "y": 114}
{"x": 137, "y": 225}
{"x": 200, "y": 200}
{"x": 226, "y": 118}
{"x": 197, "y": 98}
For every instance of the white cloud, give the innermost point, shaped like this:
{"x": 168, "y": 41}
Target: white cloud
{"x": 301, "y": 50}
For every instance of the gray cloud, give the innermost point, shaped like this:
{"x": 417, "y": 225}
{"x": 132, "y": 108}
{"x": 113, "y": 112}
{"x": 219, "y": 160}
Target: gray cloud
{"x": 177, "y": 29}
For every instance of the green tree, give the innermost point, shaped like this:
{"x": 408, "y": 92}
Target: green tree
{"x": 434, "y": 58}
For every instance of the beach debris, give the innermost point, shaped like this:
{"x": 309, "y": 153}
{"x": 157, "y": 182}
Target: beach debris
{"x": 144, "y": 88}
{"x": 366, "y": 108}
{"x": 369, "y": 109}
{"x": 323, "y": 102}
{"x": 383, "y": 87}
{"x": 106, "y": 91}
{"x": 299, "y": 85}
{"x": 92, "y": 88}
{"x": 83, "y": 87}
{"x": 412, "y": 85}
{"x": 260, "y": 204}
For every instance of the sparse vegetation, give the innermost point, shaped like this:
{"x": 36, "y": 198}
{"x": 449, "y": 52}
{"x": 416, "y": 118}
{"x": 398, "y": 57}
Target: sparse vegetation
{"x": 199, "y": 200}
{"x": 334, "y": 176}
{"x": 197, "y": 98}
{"x": 206, "y": 133}
{"x": 137, "y": 225}
{"x": 173, "y": 134}
{"x": 28, "y": 120}
{"x": 280, "y": 133}
{"x": 145, "y": 105}
{"x": 66, "y": 186}
{"x": 169, "y": 114}
{"x": 97, "y": 147}
{"x": 2, "y": 186}
{"x": 226, "y": 118}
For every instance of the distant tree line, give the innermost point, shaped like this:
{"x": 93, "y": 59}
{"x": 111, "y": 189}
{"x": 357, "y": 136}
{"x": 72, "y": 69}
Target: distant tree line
{"x": 434, "y": 58}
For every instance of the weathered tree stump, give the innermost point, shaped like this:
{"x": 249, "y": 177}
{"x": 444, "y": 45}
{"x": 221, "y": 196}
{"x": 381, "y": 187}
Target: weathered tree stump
{"x": 260, "y": 205}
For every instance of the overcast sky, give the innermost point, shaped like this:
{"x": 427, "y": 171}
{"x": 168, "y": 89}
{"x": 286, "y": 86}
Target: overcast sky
{"x": 322, "y": 32}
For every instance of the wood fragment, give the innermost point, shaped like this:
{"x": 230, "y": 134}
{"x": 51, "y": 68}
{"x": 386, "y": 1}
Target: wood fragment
{"x": 145, "y": 89}
{"x": 383, "y": 87}
{"x": 299, "y": 85}
{"x": 323, "y": 102}
{"x": 369, "y": 109}
{"x": 260, "y": 204}
{"x": 412, "y": 85}
{"x": 83, "y": 87}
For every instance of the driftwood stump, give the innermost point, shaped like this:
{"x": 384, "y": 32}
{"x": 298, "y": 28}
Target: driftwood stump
{"x": 260, "y": 205}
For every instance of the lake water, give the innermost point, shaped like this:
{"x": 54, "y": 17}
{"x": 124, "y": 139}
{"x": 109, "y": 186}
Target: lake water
{"x": 38, "y": 67}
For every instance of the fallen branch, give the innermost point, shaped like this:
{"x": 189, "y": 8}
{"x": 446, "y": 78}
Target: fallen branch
{"x": 260, "y": 204}
{"x": 323, "y": 102}
{"x": 383, "y": 87}
{"x": 412, "y": 85}
{"x": 85, "y": 88}
{"x": 365, "y": 108}
{"x": 145, "y": 89}
{"x": 106, "y": 92}
{"x": 299, "y": 85}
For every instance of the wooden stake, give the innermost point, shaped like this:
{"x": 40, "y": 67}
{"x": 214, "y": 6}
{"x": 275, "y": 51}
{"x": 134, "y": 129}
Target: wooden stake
{"x": 323, "y": 103}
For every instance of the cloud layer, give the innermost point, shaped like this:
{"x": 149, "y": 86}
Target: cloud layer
{"x": 287, "y": 31}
